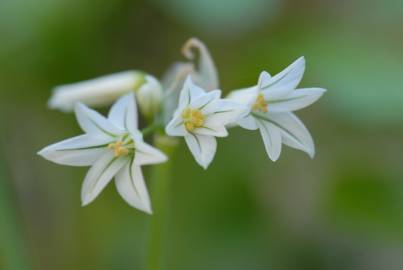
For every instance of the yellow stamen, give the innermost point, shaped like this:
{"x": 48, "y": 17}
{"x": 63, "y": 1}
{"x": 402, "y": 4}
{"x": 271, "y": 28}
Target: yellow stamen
{"x": 260, "y": 104}
{"x": 118, "y": 149}
{"x": 192, "y": 118}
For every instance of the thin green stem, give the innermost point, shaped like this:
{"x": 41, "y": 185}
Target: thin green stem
{"x": 162, "y": 175}
{"x": 151, "y": 128}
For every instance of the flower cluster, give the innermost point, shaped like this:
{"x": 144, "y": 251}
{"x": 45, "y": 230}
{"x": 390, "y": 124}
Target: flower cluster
{"x": 185, "y": 103}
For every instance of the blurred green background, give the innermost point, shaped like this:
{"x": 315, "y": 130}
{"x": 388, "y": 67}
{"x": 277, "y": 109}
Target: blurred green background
{"x": 342, "y": 210}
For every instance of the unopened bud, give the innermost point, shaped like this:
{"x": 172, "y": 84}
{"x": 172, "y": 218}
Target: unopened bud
{"x": 149, "y": 96}
{"x": 100, "y": 91}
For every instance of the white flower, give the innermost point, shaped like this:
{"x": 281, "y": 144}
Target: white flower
{"x": 271, "y": 103}
{"x": 200, "y": 117}
{"x": 114, "y": 148}
{"x": 107, "y": 89}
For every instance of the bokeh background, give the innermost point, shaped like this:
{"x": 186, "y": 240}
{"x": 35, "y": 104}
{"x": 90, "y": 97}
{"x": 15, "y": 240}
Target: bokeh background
{"x": 341, "y": 210}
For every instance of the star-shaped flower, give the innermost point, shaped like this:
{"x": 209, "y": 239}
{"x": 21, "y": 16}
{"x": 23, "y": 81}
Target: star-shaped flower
{"x": 271, "y": 103}
{"x": 114, "y": 148}
{"x": 200, "y": 117}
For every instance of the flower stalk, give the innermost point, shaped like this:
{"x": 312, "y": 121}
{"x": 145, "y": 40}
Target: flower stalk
{"x": 161, "y": 177}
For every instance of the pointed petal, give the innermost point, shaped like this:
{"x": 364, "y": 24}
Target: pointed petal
{"x": 264, "y": 79}
{"x": 296, "y": 100}
{"x": 124, "y": 113}
{"x": 189, "y": 92}
{"x": 223, "y": 112}
{"x": 99, "y": 175}
{"x": 293, "y": 131}
{"x": 205, "y": 99}
{"x": 202, "y": 147}
{"x": 130, "y": 185}
{"x": 206, "y": 74}
{"x": 82, "y": 150}
{"x": 146, "y": 154}
{"x": 248, "y": 122}
{"x": 271, "y": 137}
{"x": 284, "y": 82}
{"x": 175, "y": 127}
{"x": 94, "y": 123}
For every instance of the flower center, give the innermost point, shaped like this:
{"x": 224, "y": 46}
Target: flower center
{"x": 260, "y": 104}
{"x": 118, "y": 149}
{"x": 192, "y": 118}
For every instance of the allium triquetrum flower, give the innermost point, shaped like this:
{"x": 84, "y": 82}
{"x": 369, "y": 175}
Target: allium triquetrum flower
{"x": 271, "y": 103}
{"x": 200, "y": 117}
{"x": 114, "y": 148}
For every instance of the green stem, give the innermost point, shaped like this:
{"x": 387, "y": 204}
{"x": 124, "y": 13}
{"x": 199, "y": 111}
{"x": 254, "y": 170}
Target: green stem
{"x": 160, "y": 194}
{"x": 151, "y": 128}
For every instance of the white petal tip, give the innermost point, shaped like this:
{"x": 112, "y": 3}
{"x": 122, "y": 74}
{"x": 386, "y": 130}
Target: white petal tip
{"x": 85, "y": 201}
{"x": 204, "y": 166}
{"x": 143, "y": 208}
{"x": 44, "y": 153}
{"x": 320, "y": 91}
{"x": 274, "y": 159}
{"x": 84, "y": 204}
{"x": 323, "y": 91}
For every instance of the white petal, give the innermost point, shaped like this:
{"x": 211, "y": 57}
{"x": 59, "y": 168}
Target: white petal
{"x": 296, "y": 100}
{"x": 284, "y": 82}
{"x": 175, "y": 127}
{"x": 202, "y": 147}
{"x": 264, "y": 79}
{"x": 99, "y": 175}
{"x": 248, "y": 122}
{"x": 217, "y": 131}
{"x": 223, "y": 112}
{"x": 77, "y": 151}
{"x": 96, "y": 92}
{"x": 124, "y": 113}
{"x": 94, "y": 123}
{"x": 205, "y": 99}
{"x": 271, "y": 137}
{"x": 245, "y": 96}
{"x": 130, "y": 185}
{"x": 293, "y": 131}
{"x": 189, "y": 92}
{"x": 146, "y": 154}
{"x": 206, "y": 74}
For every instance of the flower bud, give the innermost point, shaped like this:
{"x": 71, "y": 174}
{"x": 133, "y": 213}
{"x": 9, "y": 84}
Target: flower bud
{"x": 101, "y": 91}
{"x": 149, "y": 96}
